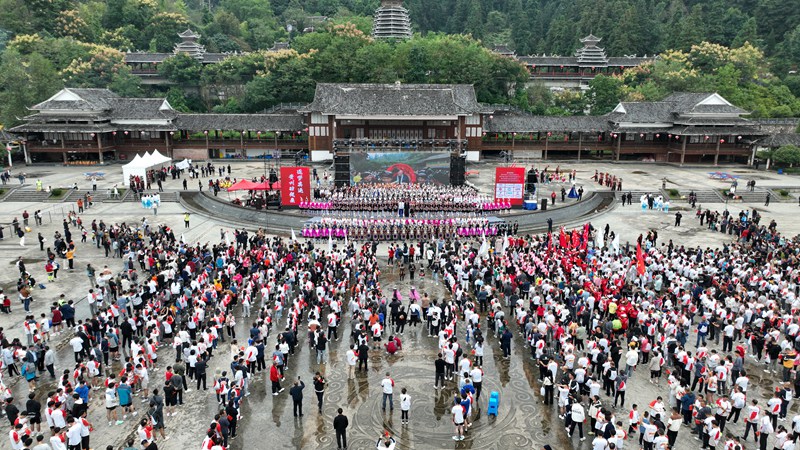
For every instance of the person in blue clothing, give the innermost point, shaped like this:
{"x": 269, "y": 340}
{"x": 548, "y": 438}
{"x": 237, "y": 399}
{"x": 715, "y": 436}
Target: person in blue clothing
{"x": 125, "y": 394}
{"x": 702, "y": 331}
{"x": 83, "y": 390}
{"x": 687, "y": 400}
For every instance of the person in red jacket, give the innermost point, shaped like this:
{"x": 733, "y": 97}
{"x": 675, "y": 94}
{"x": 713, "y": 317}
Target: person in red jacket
{"x": 275, "y": 378}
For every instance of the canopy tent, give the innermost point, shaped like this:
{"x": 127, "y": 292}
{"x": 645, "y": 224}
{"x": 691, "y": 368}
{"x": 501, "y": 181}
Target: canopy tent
{"x": 133, "y": 168}
{"x": 139, "y": 165}
{"x": 156, "y": 158}
{"x": 246, "y": 185}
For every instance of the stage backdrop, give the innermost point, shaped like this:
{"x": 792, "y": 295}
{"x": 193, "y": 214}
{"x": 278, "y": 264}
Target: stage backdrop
{"x": 509, "y": 184}
{"x": 400, "y": 167}
{"x": 295, "y": 185}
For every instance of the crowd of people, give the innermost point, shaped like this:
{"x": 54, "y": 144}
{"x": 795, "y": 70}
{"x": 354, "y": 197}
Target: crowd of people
{"x": 405, "y": 200}
{"x": 586, "y": 310}
{"x": 399, "y": 229}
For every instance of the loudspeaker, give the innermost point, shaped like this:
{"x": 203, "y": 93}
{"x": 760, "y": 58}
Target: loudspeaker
{"x": 457, "y": 169}
{"x": 341, "y": 174}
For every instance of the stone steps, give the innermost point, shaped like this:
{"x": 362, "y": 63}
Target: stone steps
{"x": 27, "y": 195}
{"x": 705, "y": 196}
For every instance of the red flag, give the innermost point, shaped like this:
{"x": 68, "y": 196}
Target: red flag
{"x": 562, "y": 238}
{"x": 639, "y": 259}
{"x": 575, "y": 238}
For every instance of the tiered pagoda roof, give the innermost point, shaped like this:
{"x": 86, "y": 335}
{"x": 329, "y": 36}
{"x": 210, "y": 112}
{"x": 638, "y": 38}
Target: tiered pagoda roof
{"x": 189, "y": 45}
{"x": 391, "y": 21}
{"x": 590, "y": 55}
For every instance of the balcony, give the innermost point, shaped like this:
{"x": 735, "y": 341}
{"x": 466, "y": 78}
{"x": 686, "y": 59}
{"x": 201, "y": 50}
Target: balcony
{"x": 235, "y": 144}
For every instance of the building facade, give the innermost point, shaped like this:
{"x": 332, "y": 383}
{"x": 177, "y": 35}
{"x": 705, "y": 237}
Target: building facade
{"x": 575, "y": 72}
{"x": 393, "y": 116}
{"x": 88, "y": 126}
{"x": 145, "y": 64}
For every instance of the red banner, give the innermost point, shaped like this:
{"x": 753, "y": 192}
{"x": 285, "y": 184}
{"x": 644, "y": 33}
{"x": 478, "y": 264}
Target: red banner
{"x": 295, "y": 185}
{"x": 509, "y": 184}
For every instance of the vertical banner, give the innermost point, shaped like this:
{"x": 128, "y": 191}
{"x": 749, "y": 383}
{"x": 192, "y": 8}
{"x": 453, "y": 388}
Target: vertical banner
{"x": 295, "y": 185}
{"x": 509, "y": 184}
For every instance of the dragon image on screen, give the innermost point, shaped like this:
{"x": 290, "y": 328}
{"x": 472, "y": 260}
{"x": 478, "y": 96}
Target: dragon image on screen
{"x": 400, "y": 167}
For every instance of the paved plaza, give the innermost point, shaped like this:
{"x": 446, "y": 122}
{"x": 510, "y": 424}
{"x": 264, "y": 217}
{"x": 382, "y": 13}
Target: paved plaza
{"x": 267, "y": 423}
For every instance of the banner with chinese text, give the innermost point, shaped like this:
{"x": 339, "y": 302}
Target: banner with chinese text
{"x": 509, "y": 184}
{"x": 295, "y": 185}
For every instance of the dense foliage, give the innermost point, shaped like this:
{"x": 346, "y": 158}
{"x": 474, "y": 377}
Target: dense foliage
{"x": 747, "y": 50}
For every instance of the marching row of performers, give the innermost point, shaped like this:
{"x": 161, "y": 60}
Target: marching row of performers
{"x": 392, "y": 206}
{"x": 378, "y": 205}
{"x": 376, "y": 231}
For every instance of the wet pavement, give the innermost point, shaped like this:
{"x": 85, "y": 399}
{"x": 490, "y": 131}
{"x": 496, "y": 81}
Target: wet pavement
{"x": 523, "y": 421}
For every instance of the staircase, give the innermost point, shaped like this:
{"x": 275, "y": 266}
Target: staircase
{"x": 28, "y": 196}
{"x": 705, "y": 196}
{"x": 757, "y": 196}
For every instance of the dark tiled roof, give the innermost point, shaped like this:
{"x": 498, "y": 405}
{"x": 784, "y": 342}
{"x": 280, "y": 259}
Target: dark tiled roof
{"x": 394, "y": 99}
{"x": 688, "y": 102}
{"x": 133, "y": 58}
{"x": 88, "y": 100}
{"x": 781, "y": 139}
{"x": 626, "y": 61}
{"x": 548, "y": 60}
{"x": 644, "y": 112}
{"x": 244, "y": 122}
{"x": 523, "y": 123}
{"x": 712, "y": 131}
{"x": 65, "y": 128}
{"x": 146, "y": 57}
{"x": 141, "y": 108}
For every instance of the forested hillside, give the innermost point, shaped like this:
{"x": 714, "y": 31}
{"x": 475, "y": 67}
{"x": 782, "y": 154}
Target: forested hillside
{"x": 746, "y": 49}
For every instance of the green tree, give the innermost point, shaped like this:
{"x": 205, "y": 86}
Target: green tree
{"x": 162, "y": 32}
{"x": 604, "y": 94}
{"x": 181, "y": 69}
{"x": 788, "y": 155}
{"x": 24, "y": 81}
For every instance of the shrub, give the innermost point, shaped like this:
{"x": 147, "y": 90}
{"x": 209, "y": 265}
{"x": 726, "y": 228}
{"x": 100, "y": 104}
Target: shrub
{"x": 783, "y": 192}
{"x": 57, "y": 193}
{"x": 674, "y": 193}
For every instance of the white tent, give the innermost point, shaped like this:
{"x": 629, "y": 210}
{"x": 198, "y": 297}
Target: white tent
{"x": 133, "y": 168}
{"x": 140, "y": 164}
{"x": 156, "y": 158}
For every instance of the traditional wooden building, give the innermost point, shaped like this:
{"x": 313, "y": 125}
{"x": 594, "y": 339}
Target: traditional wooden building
{"x": 81, "y": 126}
{"x": 684, "y": 127}
{"x": 94, "y": 125}
{"x": 575, "y": 72}
{"x": 393, "y": 116}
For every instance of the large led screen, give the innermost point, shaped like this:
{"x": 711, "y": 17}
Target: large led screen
{"x": 400, "y": 167}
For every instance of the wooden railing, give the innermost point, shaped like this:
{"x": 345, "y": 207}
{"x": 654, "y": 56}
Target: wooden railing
{"x": 237, "y": 144}
{"x": 39, "y": 148}
{"x": 539, "y": 145}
